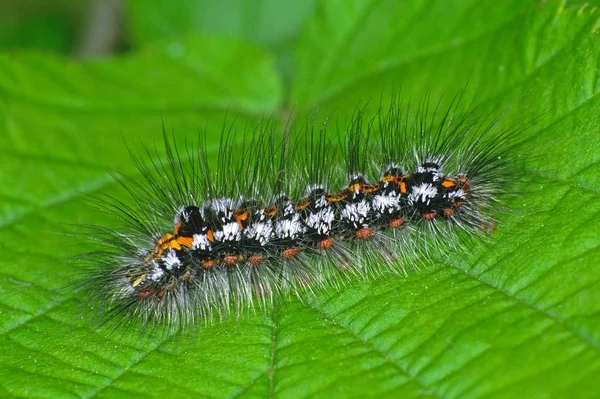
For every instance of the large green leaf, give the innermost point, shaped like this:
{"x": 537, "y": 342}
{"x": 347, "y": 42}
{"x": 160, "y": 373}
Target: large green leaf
{"x": 270, "y": 23}
{"x": 41, "y": 25}
{"x": 517, "y": 318}
{"x": 273, "y": 24}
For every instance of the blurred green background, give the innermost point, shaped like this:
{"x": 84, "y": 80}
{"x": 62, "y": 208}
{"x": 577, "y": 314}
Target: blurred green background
{"x": 41, "y": 25}
{"x": 519, "y": 317}
{"x": 101, "y": 28}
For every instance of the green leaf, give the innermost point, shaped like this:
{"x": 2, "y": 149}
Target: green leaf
{"x": 518, "y": 318}
{"x": 273, "y": 24}
{"x": 47, "y": 26}
{"x": 269, "y": 23}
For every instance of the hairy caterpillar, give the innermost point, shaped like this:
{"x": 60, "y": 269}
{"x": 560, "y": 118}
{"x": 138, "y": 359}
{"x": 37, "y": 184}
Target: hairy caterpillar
{"x": 295, "y": 208}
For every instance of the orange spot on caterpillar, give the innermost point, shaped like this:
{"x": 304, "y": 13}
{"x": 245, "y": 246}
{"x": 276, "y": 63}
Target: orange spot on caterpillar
{"x": 185, "y": 241}
{"x": 302, "y": 204}
{"x": 429, "y": 215}
{"x": 447, "y": 212}
{"x": 326, "y": 243}
{"x": 371, "y": 188}
{"x": 355, "y": 187}
{"x": 162, "y": 244}
{"x": 271, "y": 210}
{"x": 210, "y": 236}
{"x": 177, "y": 227}
{"x": 363, "y": 187}
{"x": 164, "y": 240}
{"x": 172, "y": 241}
{"x": 336, "y": 197}
{"x": 241, "y": 216}
{"x": 448, "y": 183}
{"x": 232, "y": 259}
{"x": 396, "y": 223}
{"x": 400, "y": 181}
{"x": 290, "y": 253}
{"x": 364, "y": 233}
{"x": 255, "y": 259}
{"x": 207, "y": 264}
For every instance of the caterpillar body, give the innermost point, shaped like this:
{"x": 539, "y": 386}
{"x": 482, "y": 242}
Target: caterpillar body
{"x": 295, "y": 209}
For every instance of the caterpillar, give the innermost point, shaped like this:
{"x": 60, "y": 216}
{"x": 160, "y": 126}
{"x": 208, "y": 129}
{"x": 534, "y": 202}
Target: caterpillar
{"x": 295, "y": 207}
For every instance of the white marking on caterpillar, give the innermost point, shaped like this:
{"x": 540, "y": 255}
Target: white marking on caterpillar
{"x": 422, "y": 193}
{"x": 171, "y": 260}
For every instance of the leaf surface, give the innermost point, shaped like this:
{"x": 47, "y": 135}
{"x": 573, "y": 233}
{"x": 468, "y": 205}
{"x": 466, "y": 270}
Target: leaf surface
{"x": 518, "y": 318}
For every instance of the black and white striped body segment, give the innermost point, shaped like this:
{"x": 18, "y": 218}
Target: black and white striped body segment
{"x": 226, "y": 232}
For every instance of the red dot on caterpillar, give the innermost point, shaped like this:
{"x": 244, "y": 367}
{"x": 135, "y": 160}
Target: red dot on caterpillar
{"x": 207, "y": 264}
{"x": 429, "y": 216}
{"x": 396, "y": 223}
{"x": 447, "y": 212}
{"x": 364, "y": 233}
{"x": 290, "y": 253}
{"x": 326, "y": 243}
{"x": 256, "y": 260}
{"x": 232, "y": 259}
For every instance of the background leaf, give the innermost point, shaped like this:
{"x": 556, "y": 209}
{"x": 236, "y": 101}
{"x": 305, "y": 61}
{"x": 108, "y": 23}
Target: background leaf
{"x": 519, "y": 318}
{"x": 39, "y": 24}
{"x": 273, "y": 24}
